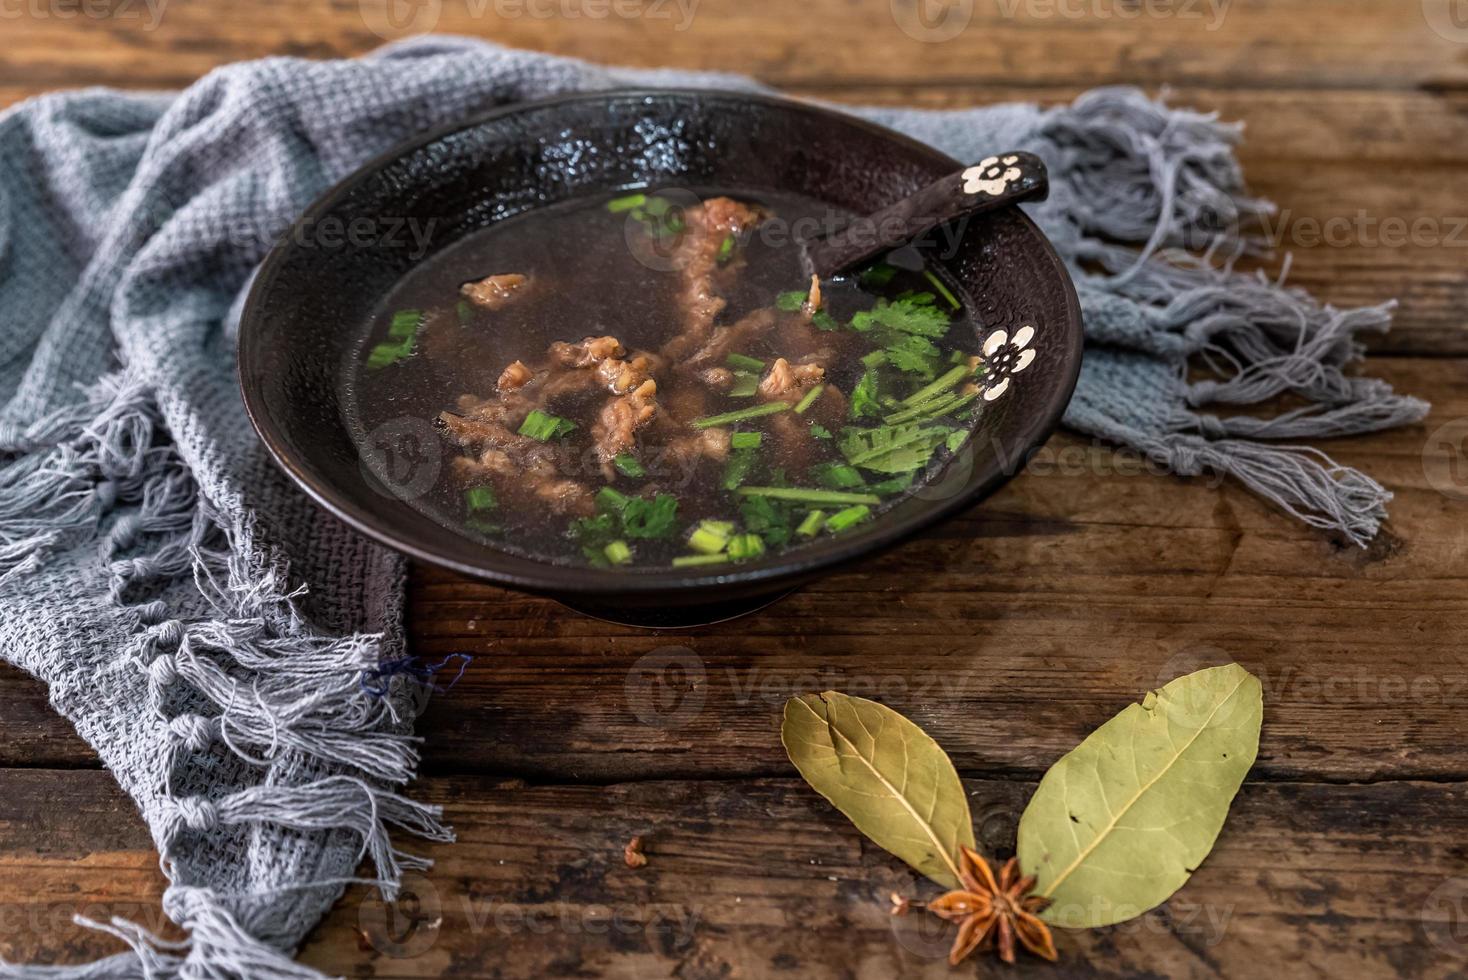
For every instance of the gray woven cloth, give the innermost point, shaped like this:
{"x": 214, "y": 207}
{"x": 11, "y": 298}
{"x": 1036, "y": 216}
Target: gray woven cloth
{"x": 207, "y": 631}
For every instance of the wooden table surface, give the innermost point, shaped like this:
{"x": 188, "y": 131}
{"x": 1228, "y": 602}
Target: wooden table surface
{"x": 1008, "y": 633}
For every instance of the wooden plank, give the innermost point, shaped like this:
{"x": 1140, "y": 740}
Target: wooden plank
{"x": 1079, "y": 586}
{"x": 755, "y": 878}
{"x": 1385, "y": 150}
{"x": 1246, "y": 43}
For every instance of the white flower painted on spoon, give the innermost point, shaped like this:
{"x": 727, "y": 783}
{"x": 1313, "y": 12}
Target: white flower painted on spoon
{"x": 991, "y": 176}
{"x": 1004, "y": 357}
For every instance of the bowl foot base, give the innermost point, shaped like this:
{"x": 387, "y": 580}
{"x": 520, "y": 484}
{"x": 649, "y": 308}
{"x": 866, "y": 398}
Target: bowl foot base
{"x": 672, "y": 617}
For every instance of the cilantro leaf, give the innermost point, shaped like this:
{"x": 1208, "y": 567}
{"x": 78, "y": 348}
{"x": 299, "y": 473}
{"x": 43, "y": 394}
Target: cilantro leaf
{"x": 915, "y": 314}
{"x": 892, "y": 448}
{"x": 914, "y": 354}
{"x": 864, "y": 397}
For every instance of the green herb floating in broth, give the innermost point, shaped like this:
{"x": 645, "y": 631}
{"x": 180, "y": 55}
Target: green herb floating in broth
{"x": 602, "y": 412}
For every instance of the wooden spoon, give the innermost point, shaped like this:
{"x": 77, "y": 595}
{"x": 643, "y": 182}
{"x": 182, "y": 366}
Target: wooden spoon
{"x": 995, "y": 182}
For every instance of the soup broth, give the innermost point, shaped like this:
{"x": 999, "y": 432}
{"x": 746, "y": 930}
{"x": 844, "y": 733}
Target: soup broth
{"x": 648, "y": 380}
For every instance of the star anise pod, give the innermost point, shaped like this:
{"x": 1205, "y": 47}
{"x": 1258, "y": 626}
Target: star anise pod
{"x": 994, "y": 911}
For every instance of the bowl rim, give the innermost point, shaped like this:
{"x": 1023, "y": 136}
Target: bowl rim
{"x": 550, "y": 578}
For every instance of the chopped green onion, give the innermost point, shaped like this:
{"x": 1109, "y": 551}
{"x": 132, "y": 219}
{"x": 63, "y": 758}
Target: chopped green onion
{"x": 628, "y": 465}
{"x": 710, "y": 537}
{"x": 480, "y": 498}
{"x": 741, "y": 362}
{"x": 404, "y": 324}
{"x": 612, "y": 501}
{"x": 737, "y": 469}
{"x": 726, "y": 249}
{"x": 841, "y": 520}
{"x": 809, "y": 399}
{"x": 947, "y": 380}
{"x": 745, "y": 384}
{"x": 809, "y": 496}
{"x": 757, "y": 411}
{"x": 822, "y": 320}
{"x": 746, "y": 440}
{"x": 389, "y": 353}
{"x": 812, "y": 524}
{"x": 934, "y": 409}
{"x": 943, "y": 290}
{"x": 686, "y": 560}
{"x": 540, "y": 426}
{"x": 743, "y": 546}
{"x": 618, "y": 553}
{"x": 820, "y": 431}
{"x": 657, "y": 206}
{"x": 619, "y": 204}
{"x": 791, "y": 301}
{"x": 838, "y": 476}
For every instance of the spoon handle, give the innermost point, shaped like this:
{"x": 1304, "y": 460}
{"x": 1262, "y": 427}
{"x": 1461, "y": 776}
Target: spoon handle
{"x": 996, "y": 182}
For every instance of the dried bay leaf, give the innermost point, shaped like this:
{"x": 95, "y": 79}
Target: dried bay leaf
{"x": 1119, "y": 823}
{"x": 889, "y": 778}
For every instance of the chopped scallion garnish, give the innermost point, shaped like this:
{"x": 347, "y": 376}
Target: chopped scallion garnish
{"x": 628, "y": 465}
{"x": 746, "y": 440}
{"x": 389, "y": 353}
{"x": 541, "y": 426}
{"x": 812, "y": 524}
{"x": 726, "y": 249}
{"x": 742, "y": 363}
{"x": 932, "y": 410}
{"x": 743, "y": 546}
{"x": 404, "y": 323}
{"x": 740, "y": 415}
{"x": 943, "y": 290}
{"x": 791, "y": 301}
{"x": 619, "y": 204}
{"x": 737, "y": 469}
{"x": 618, "y": 553}
{"x": 838, "y": 476}
{"x": 945, "y": 381}
{"x": 710, "y": 537}
{"x": 683, "y": 561}
{"x": 851, "y": 516}
{"x": 611, "y": 500}
{"x": 745, "y": 384}
{"x": 809, "y": 399}
{"x": 480, "y": 499}
{"x": 809, "y": 495}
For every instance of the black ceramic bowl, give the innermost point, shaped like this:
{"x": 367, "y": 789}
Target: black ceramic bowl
{"x": 314, "y": 294}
